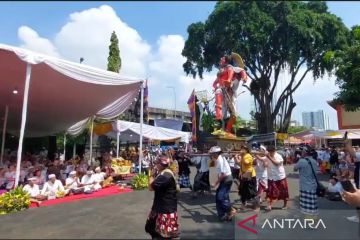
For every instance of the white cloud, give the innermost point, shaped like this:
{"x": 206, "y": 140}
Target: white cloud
{"x": 31, "y": 40}
{"x": 87, "y": 34}
{"x": 167, "y": 71}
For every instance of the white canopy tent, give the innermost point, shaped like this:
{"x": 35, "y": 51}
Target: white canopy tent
{"x": 337, "y": 134}
{"x": 125, "y": 131}
{"x": 53, "y": 94}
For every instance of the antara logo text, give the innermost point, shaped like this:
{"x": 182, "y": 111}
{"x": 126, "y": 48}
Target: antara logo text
{"x": 285, "y": 223}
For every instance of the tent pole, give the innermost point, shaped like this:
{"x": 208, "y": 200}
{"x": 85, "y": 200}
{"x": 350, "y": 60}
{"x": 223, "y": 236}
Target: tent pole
{"x": 4, "y": 134}
{"x": 74, "y": 150}
{"x": 91, "y": 138}
{"x": 275, "y": 139}
{"x": 23, "y": 122}
{"x": 117, "y": 143}
{"x": 141, "y": 125}
{"x": 64, "y": 146}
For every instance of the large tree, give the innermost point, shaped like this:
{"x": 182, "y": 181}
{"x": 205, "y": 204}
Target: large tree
{"x": 114, "y": 60}
{"x": 271, "y": 37}
{"x": 347, "y": 63}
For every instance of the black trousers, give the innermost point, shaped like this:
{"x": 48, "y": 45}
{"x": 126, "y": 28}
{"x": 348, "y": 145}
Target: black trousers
{"x": 201, "y": 182}
{"x": 356, "y": 174}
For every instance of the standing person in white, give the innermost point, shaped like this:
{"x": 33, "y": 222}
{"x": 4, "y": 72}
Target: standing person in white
{"x": 224, "y": 181}
{"x": 201, "y": 180}
{"x": 277, "y": 183}
{"x": 261, "y": 172}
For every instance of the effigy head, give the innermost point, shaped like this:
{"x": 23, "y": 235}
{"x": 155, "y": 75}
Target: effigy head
{"x": 225, "y": 60}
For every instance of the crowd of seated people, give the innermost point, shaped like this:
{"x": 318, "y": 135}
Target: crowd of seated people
{"x": 47, "y": 179}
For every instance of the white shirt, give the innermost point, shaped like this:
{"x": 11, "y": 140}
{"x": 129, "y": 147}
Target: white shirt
{"x": 86, "y": 179}
{"x": 261, "y": 170}
{"x": 32, "y": 191}
{"x": 52, "y": 187}
{"x": 337, "y": 188}
{"x": 69, "y": 168}
{"x": 276, "y": 173}
{"x": 341, "y": 155}
{"x": 73, "y": 183}
{"x": 357, "y": 159}
{"x": 203, "y": 161}
{"x": 325, "y": 156}
{"x": 98, "y": 177}
{"x": 222, "y": 166}
{"x": 320, "y": 154}
{"x": 231, "y": 162}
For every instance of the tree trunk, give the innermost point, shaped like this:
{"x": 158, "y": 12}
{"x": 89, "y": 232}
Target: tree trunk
{"x": 265, "y": 119}
{"x": 287, "y": 118}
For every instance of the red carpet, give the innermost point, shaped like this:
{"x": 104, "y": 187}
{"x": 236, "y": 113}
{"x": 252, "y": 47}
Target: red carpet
{"x": 113, "y": 190}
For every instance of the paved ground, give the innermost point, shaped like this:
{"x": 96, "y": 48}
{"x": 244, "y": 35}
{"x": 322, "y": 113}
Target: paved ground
{"x": 123, "y": 216}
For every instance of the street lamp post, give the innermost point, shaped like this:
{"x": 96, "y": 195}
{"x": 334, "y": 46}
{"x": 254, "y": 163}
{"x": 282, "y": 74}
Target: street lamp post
{"x": 174, "y": 99}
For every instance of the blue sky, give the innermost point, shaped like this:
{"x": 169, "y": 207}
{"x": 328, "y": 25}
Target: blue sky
{"x": 155, "y": 32}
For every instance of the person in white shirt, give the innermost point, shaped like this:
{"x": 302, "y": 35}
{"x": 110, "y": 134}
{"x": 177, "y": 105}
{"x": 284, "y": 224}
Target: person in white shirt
{"x": 10, "y": 175}
{"x": 325, "y": 161}
{"x": 224, "y": 181}
{"x": 33, "y": 190}
{"x": 53, "y": 187}
{"x": 334, "y": 190}
{"x": 88, "y": 182}
{"x": 235, "y": 168}
{"x": 73, "y": 184}
{"x": 277, "y": 183}
{"x": 261, "y": 172}
{"x": 99, "y": 178}
{"x": 201, "y": 179}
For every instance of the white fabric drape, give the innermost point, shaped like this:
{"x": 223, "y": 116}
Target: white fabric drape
{"x": 151, "y": 132}
{"x": 80, "y": 72}
{"x": 77, "y": 128}
{"x": 117, "y": 107}
{"x": 62, "y": 93}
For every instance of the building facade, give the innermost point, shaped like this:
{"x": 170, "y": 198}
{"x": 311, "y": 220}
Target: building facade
{"x": 346, "y": 120}
{"x": 317, "y": 120}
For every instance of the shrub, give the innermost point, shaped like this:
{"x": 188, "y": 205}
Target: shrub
{"x": 140, "y": 181}
{"x": 14, "y": 201}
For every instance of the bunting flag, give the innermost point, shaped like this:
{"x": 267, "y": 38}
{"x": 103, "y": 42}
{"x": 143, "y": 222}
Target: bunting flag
{"x": 191, "y": 104}
{"x": 146, "y": 103}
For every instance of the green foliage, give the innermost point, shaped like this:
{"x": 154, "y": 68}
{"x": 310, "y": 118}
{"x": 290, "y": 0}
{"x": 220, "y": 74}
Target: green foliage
{"x": 14, "y": 201}
{"x": 114, "y": 60}
{"x": 208, "y": 122}
{"x": 140, "y": 181}
{"x": 347, "y": 62}
{"x": 297, "y": 129}
{"x": 270, "y": 36}
{"x": 71, "y": 140}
